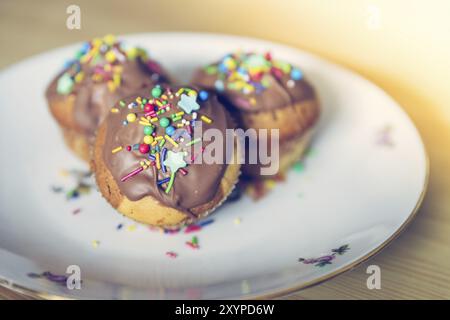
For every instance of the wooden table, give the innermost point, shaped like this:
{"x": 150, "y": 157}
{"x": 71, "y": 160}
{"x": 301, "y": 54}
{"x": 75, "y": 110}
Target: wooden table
{"x": 417, "y": 264}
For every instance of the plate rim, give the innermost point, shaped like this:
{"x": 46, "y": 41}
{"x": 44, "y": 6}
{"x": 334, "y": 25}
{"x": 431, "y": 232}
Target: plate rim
{"x": 36, "y": 294}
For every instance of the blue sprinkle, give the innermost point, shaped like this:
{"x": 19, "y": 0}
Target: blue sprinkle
{"x": 119, "y": 226}
{"x": 223, "y": 68}
{"x": 205, "y": 223}
{"x": 203, "y": 95}
{"x": 296, "y": 74}
{"x": 170, "y": 130}
{"x": 163, "y": 157}
{"x": 165, "y": 180}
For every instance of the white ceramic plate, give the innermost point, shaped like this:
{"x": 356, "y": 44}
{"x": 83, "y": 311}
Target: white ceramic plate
{"x": 361, "y": 183}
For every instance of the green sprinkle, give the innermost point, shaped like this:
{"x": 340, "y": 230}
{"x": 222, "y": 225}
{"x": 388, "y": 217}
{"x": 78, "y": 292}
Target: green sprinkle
{"x": 122, "y": 103}
{"x": 164, "y": 122}
{"x": 65, "y": 84}
{"x": 299, "y": 167}
{"x": 194, "y": 240}
{"x": 190, "y": 143}
{"x": 169, "y": 186}
{"x": 211, "y": 69}
{"x": 148, "y": 130}
{"x": 156, "y": 92}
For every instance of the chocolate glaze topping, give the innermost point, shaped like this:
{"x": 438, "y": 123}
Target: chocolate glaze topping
{"x": 199, "y": 183}
{"x": 98, "y": 81}
{"x": 253, "y": 82}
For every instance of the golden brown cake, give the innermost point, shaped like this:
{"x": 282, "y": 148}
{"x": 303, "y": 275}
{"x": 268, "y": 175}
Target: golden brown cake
{"x": 103, "y": 71}
{"x": 264, "y": 93}
{"x": 146, "y": 152}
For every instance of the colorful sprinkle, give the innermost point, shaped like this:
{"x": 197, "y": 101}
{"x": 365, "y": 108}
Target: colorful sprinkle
{"x": 206, "y": 119}
{"x": 65, "y": 84}
{"x": 131, "y": 117}
{"x": 131, "y": 174}
{"x": 105, "y": 56}
{"x": 251, "y": 72}
{"x": 116, "y": 150}
{"x": 188, "y": 103}
{"x": 95, "y": 243}
{"x": 171, "y": 254}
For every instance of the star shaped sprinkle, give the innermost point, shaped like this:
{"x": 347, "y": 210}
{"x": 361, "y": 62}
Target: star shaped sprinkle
{"x": 175, "y": 161}
{"x": 188, "y": 103}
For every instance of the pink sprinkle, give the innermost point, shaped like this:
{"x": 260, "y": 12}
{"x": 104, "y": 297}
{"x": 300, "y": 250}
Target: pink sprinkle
{"x": 76, "y": 211}
{"x": 192, "y": 245}
{"x": 183, "y": 172}
{"x": 151, "y": 114}
{"x": 131, "y": 174}
{"x": 171, "y": 254}
{"x": 192, "y": 228}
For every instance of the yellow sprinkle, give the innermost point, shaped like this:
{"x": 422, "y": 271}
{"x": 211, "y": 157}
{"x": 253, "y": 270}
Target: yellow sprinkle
{"x": 144, "y": 123}
{"x": 148, "y": 139}
{"x": 117, "y": 150}
{"x": 79, "y": 77}
{"x": 131, "y": 228}
{"x": 114, "y": 110}
{"x": 154, "y": 143}
{"x": 110, "y": 56}
{"x": 117, "y": 79}
{"x": 168, "y": 138}
{"x": 109, "y": 39}
{"x": 158, "y": 138}
{"x": 180, "y": 125}
{"x": 153, "y": 119}
{"x": 158, "y": 162}
{"x": 270, "y": 183}
{"x": 180, "y": 91}
{"x": 95, "y": 243}
{"x": 158, "y": 103}
{"x": 132, "y": 53}
{"x": 131, "y": 117}
{"x": 144, "y": 119}
{"x": 252, "y": 101}
{"x": 111, "y": 86}
{"x": 178, "y": 114}
{"x": 206, "y": 119}
{"x": 237, "y": 221}
{"x": 85, "y": 58}
{"x": 139, "y": 100}
{"x": 164, "y": 97}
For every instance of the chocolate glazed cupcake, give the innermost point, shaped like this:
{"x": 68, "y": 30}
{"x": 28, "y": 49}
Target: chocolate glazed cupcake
{"x": 102, "y": 72}
{"x": 264, "y": 93}
{"x": 146, "y": 156}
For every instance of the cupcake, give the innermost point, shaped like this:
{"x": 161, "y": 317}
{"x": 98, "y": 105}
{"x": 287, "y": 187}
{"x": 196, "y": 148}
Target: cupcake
{"x": 150, "y": 161}
{"x": 102, "y": 72}
{"x": 264, "y": 93}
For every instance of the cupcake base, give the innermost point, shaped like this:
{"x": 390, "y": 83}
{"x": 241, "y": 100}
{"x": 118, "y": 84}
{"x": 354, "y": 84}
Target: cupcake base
{"x": 291, "y": 151}
{"x": 148, "y": 210}
{"x": 78, "y": 143}
{"x": 291, "y": 120}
